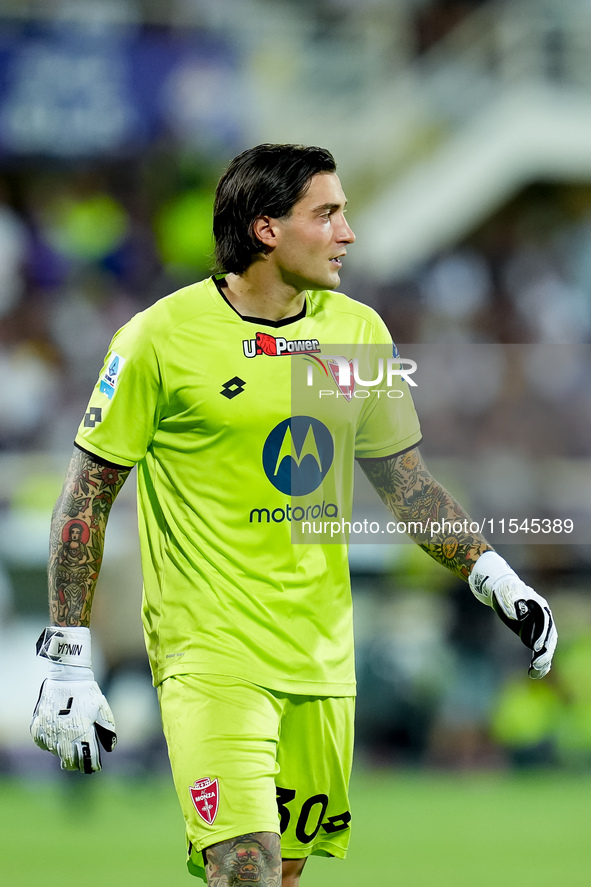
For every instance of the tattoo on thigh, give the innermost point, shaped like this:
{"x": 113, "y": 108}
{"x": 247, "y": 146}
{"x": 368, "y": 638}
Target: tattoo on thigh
{"x": 250, "y": 859}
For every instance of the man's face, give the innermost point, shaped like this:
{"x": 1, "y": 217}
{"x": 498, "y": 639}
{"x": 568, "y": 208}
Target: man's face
{"x": 312, "y": 240}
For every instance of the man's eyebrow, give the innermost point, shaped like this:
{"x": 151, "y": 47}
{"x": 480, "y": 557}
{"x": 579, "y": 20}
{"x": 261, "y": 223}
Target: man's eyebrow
{"x": 329, "y": 206}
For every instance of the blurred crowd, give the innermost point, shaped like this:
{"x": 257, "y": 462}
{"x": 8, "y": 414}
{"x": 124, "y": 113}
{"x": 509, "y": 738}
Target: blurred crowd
{"x": 81, "y": 251}
{"x": 523, "y": 276}
{"x": 427, "y": 21}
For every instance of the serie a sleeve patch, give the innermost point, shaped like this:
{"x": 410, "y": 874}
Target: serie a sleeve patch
{"x": 110, "y": 377}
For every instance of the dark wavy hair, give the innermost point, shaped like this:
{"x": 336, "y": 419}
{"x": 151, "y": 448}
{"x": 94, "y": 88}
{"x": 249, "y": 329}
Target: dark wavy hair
{"x": 267, "y": 180}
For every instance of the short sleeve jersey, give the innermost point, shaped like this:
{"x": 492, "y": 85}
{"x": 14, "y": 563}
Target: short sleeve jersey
{"x": 201, "y": 400}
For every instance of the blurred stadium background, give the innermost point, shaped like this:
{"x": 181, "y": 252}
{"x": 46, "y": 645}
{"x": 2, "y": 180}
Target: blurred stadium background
{"x": 462, "y": 129}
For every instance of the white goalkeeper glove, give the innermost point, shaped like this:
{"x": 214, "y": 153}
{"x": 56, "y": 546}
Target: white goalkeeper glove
{"x": 525, "y": 612}
{"x": 71, "y": 716}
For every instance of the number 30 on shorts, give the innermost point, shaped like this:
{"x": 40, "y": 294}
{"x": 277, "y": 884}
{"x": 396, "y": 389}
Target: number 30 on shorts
{"x": 311, "y": 814}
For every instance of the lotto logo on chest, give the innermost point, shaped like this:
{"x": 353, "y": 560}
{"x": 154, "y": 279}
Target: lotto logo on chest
{"x": 205, "y": 796}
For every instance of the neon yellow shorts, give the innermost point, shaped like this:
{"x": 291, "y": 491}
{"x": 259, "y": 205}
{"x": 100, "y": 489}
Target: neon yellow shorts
{"x": 245, "y": 759}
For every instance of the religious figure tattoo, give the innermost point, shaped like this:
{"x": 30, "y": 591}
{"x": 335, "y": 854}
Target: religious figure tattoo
{"x": 77, "y": 537}
{"x": 414, "y": 497}
{"x": 73, "y": 566}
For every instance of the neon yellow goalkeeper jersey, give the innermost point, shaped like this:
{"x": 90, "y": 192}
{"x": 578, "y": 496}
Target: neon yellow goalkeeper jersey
{"x": 201, "y": 400}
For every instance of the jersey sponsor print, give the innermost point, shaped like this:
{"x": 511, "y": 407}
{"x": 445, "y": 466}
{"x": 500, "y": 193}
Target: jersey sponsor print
{"x": 275, "y": 346}
{"x": 298, "y": 454}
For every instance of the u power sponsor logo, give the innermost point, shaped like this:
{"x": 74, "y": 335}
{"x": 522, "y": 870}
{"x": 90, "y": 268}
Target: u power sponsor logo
{"x": 297, "y": 455}
{"x": 277, "y": 346}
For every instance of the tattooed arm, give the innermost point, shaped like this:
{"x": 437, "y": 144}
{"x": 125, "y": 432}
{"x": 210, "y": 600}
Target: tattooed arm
{"x": 72, "y": 718}
{"x": 77, "y": 537}
{"x": 414, "y": 497}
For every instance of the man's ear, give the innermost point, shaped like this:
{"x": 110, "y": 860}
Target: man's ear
{"x": 266, "y": 229}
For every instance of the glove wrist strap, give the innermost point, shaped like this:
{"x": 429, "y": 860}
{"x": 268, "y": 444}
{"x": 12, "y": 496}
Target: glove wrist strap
{"x": 65, "y": 646}
{"x": 57, "y": 672}
{"x": 488, "y": 570}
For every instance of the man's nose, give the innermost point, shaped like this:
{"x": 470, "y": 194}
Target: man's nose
{"x": 347, "y": 235}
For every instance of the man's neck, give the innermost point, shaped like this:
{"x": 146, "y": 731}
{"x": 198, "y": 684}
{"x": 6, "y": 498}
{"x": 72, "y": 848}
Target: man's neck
{"x": 252, "y": 294}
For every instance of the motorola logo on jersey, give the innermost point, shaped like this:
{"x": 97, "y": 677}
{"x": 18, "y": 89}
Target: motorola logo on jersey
{"x": 297, "y": 455}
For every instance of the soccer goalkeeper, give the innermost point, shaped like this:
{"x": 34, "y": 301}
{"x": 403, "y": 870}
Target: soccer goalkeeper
{"x": 249, "y": 636}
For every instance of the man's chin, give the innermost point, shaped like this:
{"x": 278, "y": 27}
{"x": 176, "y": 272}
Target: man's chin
{"x": 329, "y": 283}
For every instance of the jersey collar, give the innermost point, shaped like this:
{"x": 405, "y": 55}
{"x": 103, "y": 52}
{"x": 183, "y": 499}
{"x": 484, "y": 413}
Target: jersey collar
{"x": 218, "y": 280}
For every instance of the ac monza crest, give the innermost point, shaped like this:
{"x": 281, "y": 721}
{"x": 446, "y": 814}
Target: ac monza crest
{"x": 205, "y": 796}
{"x": 346, "y": 390}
